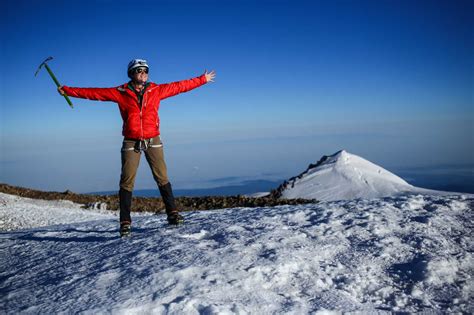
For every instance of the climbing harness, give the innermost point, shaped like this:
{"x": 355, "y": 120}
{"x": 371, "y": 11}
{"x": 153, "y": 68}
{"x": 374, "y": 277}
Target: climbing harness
{"x": 143, "y": 145}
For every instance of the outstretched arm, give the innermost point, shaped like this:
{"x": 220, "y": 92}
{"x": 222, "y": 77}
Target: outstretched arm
{"x": 96, "y": 94}
{"x": 171, "y": 89}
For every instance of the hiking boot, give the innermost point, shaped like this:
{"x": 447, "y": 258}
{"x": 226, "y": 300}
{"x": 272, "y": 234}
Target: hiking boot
{"x": 174, "y": 218}
{"x": 125, "y": 229}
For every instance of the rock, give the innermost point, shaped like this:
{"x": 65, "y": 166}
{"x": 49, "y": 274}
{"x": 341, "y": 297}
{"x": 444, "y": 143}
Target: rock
{"x": 141, "y": 204}
{"x": 96, "y": 206}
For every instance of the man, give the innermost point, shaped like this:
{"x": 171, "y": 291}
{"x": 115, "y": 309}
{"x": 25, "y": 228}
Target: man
{"x": 139, "y": 101}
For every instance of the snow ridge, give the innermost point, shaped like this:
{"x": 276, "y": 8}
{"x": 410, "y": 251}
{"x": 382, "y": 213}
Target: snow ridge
{"x": 345, "y": 176}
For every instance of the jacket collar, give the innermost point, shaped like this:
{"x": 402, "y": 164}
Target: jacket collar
{"x": 130, "y": 86}
{"x": 125, "y": 87}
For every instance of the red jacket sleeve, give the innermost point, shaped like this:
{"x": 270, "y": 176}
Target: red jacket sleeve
{"x": 171, "y": 89}
{"x": 96, "y": 94}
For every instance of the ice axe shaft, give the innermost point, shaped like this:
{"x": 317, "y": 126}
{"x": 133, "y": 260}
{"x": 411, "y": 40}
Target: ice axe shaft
{"x": 53, "y": 77}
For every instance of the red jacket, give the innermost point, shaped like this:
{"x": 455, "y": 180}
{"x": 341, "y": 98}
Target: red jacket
{"x": 138, "y": 123}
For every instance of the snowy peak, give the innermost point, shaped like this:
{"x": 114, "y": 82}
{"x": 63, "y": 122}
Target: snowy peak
{"x": 358, "y": 169}
{"x": 340, "y": 157}
{"x": 343, "y": 176}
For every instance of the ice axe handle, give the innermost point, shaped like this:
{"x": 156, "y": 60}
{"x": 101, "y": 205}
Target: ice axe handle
{"x": 57, "y": 83}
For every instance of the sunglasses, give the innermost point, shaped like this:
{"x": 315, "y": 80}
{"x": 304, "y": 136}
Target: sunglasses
{"x": 140, "y": 70}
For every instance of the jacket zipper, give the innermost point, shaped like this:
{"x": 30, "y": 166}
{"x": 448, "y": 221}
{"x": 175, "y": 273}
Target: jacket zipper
{"x": 141, "y": 109}
{"x": 141, "y": 125}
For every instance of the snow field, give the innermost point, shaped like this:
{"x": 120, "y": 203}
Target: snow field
{"x": 22, "y": 213}
{"x": 409, "y": 253}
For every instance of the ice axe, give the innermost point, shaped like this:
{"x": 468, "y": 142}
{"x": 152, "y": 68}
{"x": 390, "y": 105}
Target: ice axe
{"x": 53, "y": 77}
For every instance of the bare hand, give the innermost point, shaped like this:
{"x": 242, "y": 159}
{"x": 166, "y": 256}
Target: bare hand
{"x": 210, "y": 75}
{"x": 60, "y": 91}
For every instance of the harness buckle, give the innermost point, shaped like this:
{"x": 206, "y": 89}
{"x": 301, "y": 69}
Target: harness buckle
{"x": 143, "y": 145}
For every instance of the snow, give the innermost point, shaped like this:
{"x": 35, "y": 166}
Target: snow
{"x": 17, "y": 213}
{"x": 406, "y": 253}
{"x": 258, "y": 194}
{"x": 345, "y": 176}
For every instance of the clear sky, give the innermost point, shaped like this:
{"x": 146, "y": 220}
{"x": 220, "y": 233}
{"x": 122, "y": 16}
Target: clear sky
{"x": 391, "y": 81}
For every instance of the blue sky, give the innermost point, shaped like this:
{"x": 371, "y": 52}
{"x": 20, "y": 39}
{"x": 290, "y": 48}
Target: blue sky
{"x": 391, "y": 81}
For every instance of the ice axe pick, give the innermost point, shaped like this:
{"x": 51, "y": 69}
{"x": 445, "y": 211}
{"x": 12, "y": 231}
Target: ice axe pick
{"x": 44, "y": 63}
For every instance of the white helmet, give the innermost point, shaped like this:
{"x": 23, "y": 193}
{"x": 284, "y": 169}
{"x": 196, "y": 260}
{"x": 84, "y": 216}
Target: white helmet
{"x": 135, "y": 63}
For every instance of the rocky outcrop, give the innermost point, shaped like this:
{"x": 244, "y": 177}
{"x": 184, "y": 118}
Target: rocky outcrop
{"x": 149, "y": 204}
